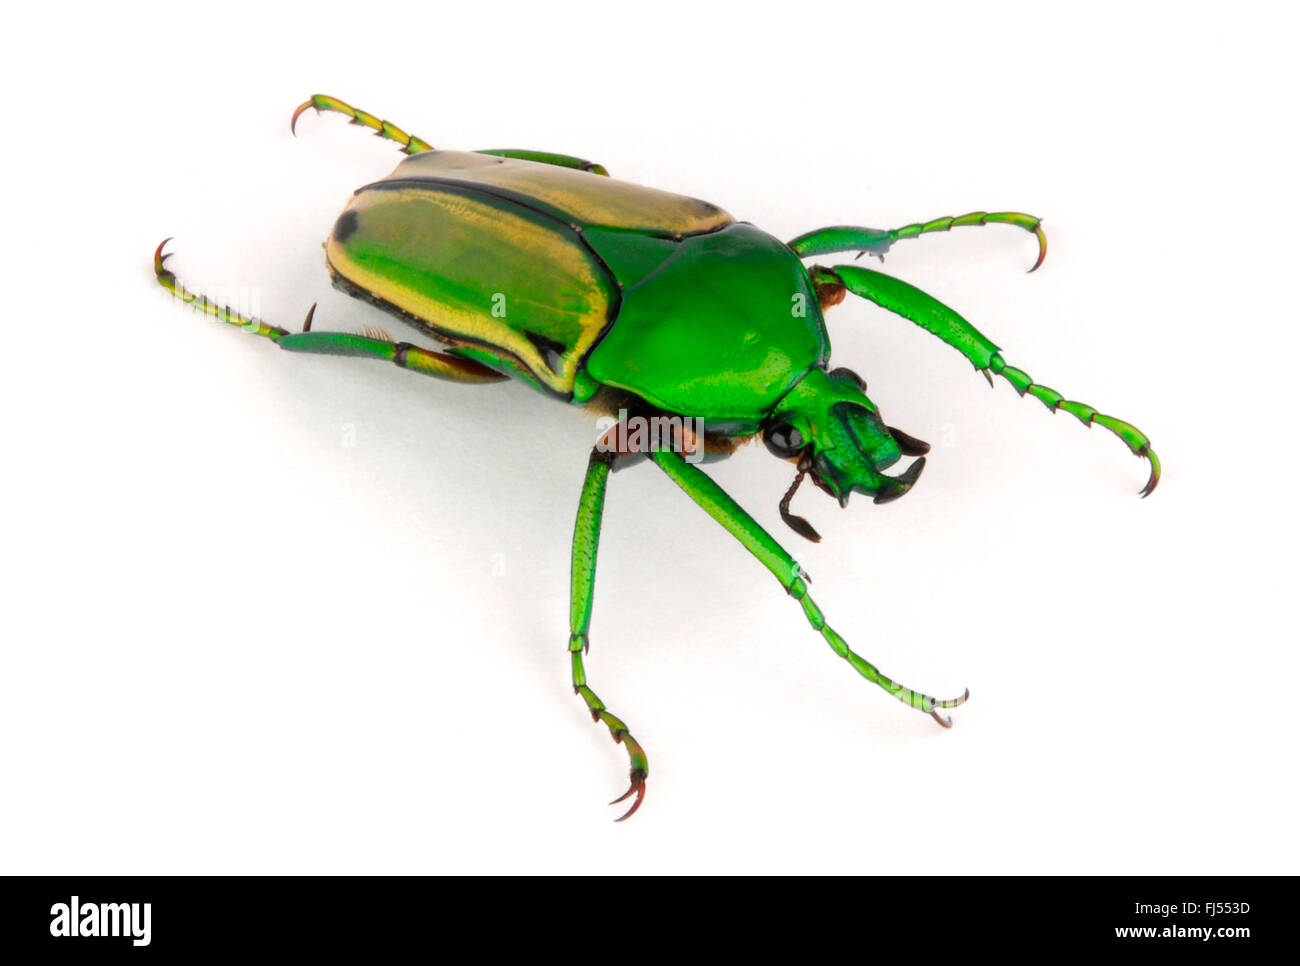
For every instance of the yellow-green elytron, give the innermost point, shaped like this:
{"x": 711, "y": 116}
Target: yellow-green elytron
{"x": 541, "y": 267}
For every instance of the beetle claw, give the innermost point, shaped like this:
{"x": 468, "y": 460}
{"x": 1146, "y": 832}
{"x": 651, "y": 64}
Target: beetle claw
{"x": 945, "y": 721}
{"x": 160, "y": 269}
{"x": 293, "y": 121}
{"x": 1149, "y": 454}
{"x": 637, "y": 788}
{"x": 1042, "y": 246}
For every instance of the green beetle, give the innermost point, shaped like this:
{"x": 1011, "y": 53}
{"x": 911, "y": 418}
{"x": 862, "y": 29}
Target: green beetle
{"x": 659, "y": 307}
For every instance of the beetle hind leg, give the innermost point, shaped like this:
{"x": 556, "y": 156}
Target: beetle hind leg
{"x": 372, "y": 345}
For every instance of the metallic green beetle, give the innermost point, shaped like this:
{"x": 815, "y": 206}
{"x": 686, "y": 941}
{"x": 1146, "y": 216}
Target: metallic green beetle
{"x": 541, "y": 267}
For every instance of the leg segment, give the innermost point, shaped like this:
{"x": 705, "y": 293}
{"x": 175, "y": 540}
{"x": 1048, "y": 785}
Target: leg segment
{"x": 222, "y": 313}
{"x": 373, "y": 346}
{"x": 715, "y": 501}
{"x": 402, "y": 354}
{"x": 586, "y": 539}
{"x": 384, "y": 129}
{"x": 935, "y": 317}
{"x": 874, "y": 241}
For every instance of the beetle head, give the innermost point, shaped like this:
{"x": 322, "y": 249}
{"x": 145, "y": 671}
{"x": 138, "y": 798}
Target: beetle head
{"x": 828, "y": 427}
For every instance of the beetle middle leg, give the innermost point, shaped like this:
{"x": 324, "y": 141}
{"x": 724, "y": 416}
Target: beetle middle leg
{"x": 876, "y": 241}
{"x": 403, "y": 354}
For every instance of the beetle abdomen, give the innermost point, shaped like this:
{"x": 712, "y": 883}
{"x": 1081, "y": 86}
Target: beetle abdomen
{"x": 578, "y": 197}
{"x": 487, "y": 253}
{"x": 472, "y": 270}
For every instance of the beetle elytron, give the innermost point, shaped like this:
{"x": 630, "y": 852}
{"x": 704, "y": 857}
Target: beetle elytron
{"x": 541, "y": 267}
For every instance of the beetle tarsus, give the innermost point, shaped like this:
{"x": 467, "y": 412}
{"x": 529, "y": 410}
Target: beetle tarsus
{"x": 1134, "y": 438}
{"x": 409, "y": 143}
{"x": 874, "y": 241}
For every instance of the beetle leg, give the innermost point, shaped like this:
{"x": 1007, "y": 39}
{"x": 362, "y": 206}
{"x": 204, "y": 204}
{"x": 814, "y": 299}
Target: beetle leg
{"x": 874, "y": 241}
{"x": 403, "y": 354}
{"x": 167, "y": 279}
{"x": 547, "y": 157}
{"x": 384, "y": 129}
{"x": 586, "y": 539}
{"x": 715, "y": 501}
{"x": 932, "y": 315}
{"x": 410, "y": 144}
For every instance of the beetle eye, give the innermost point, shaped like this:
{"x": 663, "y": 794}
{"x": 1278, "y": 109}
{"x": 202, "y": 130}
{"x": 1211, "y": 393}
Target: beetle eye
{"x": 783, "y": 440}
{"x": 843, "y": 373}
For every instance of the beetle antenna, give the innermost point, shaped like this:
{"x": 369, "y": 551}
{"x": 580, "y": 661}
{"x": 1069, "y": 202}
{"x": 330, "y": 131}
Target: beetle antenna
{"x": 797, "y": 523}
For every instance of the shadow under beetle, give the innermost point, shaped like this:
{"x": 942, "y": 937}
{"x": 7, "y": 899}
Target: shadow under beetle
{"x": 541, "y": 267}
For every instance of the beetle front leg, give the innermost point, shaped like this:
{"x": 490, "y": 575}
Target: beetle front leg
{"x": 929, "y": 313}
{"x": 586, "y": 540}
{"x": 701, "y": 488}
{"x": 875, "y": 241}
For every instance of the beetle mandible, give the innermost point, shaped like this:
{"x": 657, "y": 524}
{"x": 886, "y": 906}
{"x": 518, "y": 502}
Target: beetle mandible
{"x": 660, "y": 307}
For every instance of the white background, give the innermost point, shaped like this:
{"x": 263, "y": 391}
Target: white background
{"x": 266, "y": 613}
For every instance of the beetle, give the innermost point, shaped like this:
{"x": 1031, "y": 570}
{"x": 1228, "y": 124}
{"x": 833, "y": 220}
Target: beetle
{"x": 665, "y": 309}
